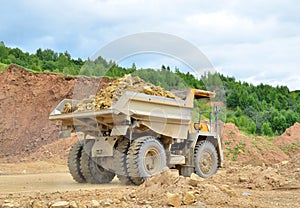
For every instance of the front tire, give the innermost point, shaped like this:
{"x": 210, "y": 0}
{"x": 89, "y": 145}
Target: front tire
{"x": 206, "y": 159}
{"x": 91, "y": 170}
{"x": 146, "y": 157}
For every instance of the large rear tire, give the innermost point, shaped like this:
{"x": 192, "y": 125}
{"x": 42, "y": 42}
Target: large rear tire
{"x": 74, "y": 162}
{"x": 146, "y": 157}
{"x": 91, "y": 170}
{"x": 206, "y": 159}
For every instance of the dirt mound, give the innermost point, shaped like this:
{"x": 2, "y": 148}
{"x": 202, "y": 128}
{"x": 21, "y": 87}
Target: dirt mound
{"x": 252, "y": 177}
{"x": 57, "y": 150}
{"x": 175, "y": 190}
{"x": 222, "y": 188}
{"x": 26, "y": 100}
{"x": 51, "y": 157}
{"x": 110, "y": 94}
{"x": 255, "y": 151}
{"x": 289, "y": 141}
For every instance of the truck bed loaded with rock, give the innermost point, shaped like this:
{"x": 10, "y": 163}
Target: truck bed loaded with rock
{"x": 134, "y": 130}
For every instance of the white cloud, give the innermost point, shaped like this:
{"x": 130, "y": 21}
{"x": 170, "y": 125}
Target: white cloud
{"x": 224, "y": 26}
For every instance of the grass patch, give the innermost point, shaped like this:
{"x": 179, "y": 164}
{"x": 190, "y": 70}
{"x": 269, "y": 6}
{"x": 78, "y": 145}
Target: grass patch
{"x": 254, "y": 143}
{"x": 235, "y": 151}
{"x": 263, "y": 145}
{"x": 2, "y": 67}
{"x": 269, "y": 138}
{"x": 249, "y": 134}
{"x": 231, "y": 133}
{"x": 293, "y": 147}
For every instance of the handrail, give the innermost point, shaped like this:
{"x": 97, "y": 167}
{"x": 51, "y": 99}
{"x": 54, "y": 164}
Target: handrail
{"x": 216, "y": 111}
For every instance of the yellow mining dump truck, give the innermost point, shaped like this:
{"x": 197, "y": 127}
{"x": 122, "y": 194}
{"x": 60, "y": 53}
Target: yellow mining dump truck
{"x": 139, "y": 135}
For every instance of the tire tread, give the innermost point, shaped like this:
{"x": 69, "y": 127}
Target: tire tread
{"x": 74, "y": 162}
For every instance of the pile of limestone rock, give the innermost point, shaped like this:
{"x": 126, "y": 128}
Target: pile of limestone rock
{"x": 114, "y": 90}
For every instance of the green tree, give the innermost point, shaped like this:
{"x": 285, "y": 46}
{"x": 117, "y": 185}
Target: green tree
{"x": 279, "y": 123}
{"x": 133, "y": 67}
{"x": 85, "y": 71}
{"x": 238, "y": 112}
{"x": 232, "y": 98}
{"x": 291, "y": 117}
{"x": 266, "y": 129}
{"x": 3, "y": 53}
{"x": 48, "y": 65}
{"x": 62, "y": 62}
{"x": 251, "y": 127}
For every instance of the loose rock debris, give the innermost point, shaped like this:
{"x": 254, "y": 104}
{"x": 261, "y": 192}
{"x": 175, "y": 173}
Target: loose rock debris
{"x": 169, "y": 189}
{"x": 113, "y": 91}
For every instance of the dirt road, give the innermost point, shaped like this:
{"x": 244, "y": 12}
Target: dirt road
{"x": 46, "y": 182}
{"x": 46, "y": 189}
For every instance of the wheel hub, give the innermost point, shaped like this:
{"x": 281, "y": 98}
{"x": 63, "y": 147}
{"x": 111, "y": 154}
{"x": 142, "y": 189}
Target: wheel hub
{"x": 206, "y": 162}
{"x": 151, "y": 161}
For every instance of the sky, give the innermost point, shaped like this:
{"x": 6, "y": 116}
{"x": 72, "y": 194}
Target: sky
{"x": 256, "y": 41}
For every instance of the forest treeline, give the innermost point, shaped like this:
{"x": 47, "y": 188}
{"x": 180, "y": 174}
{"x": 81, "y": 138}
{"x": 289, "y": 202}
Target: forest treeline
{"x": 260, "y": 110}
